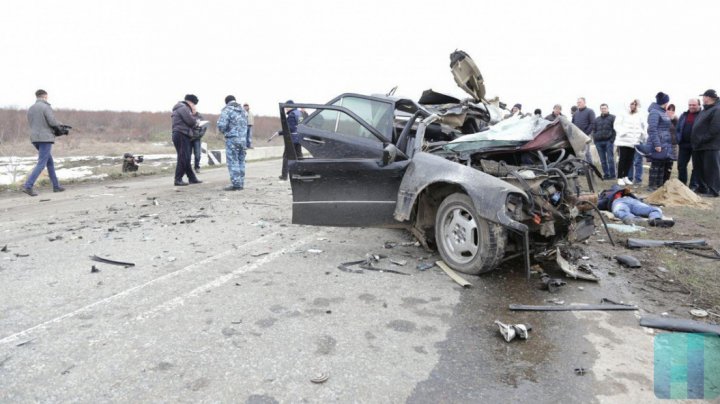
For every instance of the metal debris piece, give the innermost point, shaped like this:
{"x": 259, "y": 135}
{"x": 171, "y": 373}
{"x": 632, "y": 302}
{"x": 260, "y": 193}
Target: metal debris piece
{"x": 320, "y": 378}
{"x": 699, "y": 313}
{"x": 111, "y": 262}
{"x": 679, "y": 324}
{"x": 424, "y": 266}
{"x": 510, "y": 331}
{"x": 582, "y": 272}
{"x": 552, "y": 285}
{"x": 4, "y": 249}
{"x": 580, "y": 371}
{"x": 369, "y": 264}
{"x": 259, "y": 254}
{"x": 26, "y": 342}
{"x": 314, "y": 251}
{"x": 576, "y": 307}
{"x": 628, "y": 261}
{"x": 21, "y": 255}
{"x": 401, "y": 263}
{"x": 94, "y": 270}
{"x": 58, "y": 237}
{"x": 453, "y": 275}
{"x": 556, "y": 301}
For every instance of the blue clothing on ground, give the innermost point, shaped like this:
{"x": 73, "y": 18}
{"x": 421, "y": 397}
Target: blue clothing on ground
{"x": 607, "y": 157}
{"x": 44, "y": 160}
{"x": 629, "y": 207}
{"x": 235, "y": 154}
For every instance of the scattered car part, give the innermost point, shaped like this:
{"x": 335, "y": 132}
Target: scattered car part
{"x": 576, "y": 307}
{"x": 572, "y": 271}
{"x": 4, "y": 249}
{"x": 580, "y": 371}
{"x": 94, "y": 269}
{"x": 424, "y": 266}
{"x": 679, "y": 324}
{"x": 625, "y": 228}
{"x": 510, "y": 331}
{"x": 111, "y": 262}
{"x": 699, "y": 313}
{"x": 367, "y": 263}
{"x": 401, "y": 263}
{"x": 453, "y": 275}
{"x": 628, "y": 261}
{"x": 320, "y": 378}
{"x": 689, "y": 246}
{"x": 552, "y": 285}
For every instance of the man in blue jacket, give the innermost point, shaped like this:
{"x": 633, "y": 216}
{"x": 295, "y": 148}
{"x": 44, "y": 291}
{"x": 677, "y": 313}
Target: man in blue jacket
{"x": 683, "y": 131}
{"x": 233, "y": 125}
{"x": 293, "y": 118}
{"x": 603, "y": 134}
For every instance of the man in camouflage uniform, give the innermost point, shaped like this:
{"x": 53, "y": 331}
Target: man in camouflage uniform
{"x": 233, "y": 125}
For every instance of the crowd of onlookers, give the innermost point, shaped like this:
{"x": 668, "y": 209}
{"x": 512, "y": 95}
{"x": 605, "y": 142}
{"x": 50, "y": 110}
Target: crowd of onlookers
{"x": 659, "y": 136}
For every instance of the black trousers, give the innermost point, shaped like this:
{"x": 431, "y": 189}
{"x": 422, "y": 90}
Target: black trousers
{"x": 627, "y": 154}
{"x": 659, "y": 172}
{"x": 684, "y": 156}
{"x": 707, "y": 165}
{"x": 183, "y": 150}
{"x": 298, "y": 153}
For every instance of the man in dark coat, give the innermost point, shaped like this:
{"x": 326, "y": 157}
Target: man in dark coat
{"x": 42, "y": 121}
{"x": 705, "y": 139}
{"x": 183, "y": 123}
{"x": 583, "y": 119}
{"x": 683, "y": 132}
{"x": 603, "y": 134}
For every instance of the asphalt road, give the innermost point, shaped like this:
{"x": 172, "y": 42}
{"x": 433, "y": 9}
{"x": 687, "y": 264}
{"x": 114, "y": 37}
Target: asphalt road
{"x": 229, "y": 302}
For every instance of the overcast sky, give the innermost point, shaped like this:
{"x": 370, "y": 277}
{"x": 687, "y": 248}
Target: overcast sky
{"x": 144, "y": 55}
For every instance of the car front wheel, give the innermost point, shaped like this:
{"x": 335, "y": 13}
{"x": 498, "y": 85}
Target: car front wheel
{"x": 467, "y": 242}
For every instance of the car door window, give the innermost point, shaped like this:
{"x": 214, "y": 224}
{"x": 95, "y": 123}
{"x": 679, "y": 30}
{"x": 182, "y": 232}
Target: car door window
{"x": 376, "y": 113}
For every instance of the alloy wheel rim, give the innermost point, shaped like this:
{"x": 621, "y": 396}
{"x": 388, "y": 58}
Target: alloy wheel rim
{"x": 460, "y": 235}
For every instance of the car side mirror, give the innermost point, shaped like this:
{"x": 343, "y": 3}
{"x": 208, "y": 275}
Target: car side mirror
{"x": 390, "y": 152}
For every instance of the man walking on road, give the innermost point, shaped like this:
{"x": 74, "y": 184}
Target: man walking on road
{"x": 233, "y": 125}
{"x": 41, "y": 120}
{"x": 250, "y": 123}
{"x": 603, "y": 134}
{"x": 183, "y": 123}
{"x": 583, "y": 119}
{"x": 705, "y": 138}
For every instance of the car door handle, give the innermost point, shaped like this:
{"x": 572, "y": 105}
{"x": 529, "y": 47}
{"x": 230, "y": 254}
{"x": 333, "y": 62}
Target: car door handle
{"x": 306, "y": 177}
{"x": 314, "y": 140}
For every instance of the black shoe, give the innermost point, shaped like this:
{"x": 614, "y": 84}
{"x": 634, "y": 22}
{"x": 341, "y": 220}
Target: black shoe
{"x": 232, "y": 188}
{"x": 197, "y": 169}
{"x": 29, "y": 191}
{"x": 58, "y": 189}
{"x": 281, "y": 178}
{"x": 181, "y": 183}
{"x": 661, "y": 223}
{"x": 196, "y": 182}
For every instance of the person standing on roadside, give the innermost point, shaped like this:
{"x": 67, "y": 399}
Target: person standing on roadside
{"x": 183, "y": 123}
{"x": 196, "y": 140}
{"x": 705, "y": 139}
{"x": 583, "y": 119}
{"x": 659, "y": 142}
{"x": 683, "y": 131}
{"x": 250, "y": 123}
{"x": 41, "y": 120}
{"x": 293, "y": 118}
{"x": 603, "y": 133}
{"x": 233, "y": 125}
{"x": 556, "y": 113}
{"x": 631, "y": 130}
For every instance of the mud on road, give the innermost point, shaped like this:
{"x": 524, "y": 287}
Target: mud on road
{"x": 227, "y": 301}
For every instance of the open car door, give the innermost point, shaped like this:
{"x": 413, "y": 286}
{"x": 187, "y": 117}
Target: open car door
{"x": 346, "y": 185}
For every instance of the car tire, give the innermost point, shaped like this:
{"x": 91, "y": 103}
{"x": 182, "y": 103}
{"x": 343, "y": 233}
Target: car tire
{"x": 467, "y": 242}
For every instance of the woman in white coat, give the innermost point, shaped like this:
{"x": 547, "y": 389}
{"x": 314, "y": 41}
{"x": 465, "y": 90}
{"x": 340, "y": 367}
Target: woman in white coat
{"x": 631, "y": 130}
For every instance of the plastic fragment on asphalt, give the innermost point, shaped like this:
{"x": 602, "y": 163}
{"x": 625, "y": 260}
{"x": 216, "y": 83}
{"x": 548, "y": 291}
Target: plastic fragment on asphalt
{"x": 111, "y": 262}
{"x": 453, "y": 275}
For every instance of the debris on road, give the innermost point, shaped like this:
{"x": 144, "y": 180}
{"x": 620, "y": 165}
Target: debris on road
{"x": 453, "y": 275}
{"x": 401, "y": 263}
{"x": 4, "y": 249}
{"x": 699, "y": 313}
{"x": 259, "y": 254}
{"x": 510, "y": 331}
{"x": 58, "y": 237}
{"x": 580, "y": 371}
{"x": 552, "y": 285}
{"x": 369, "y": 264}
{"x": 94, "y": 270}
{"x": 580, "y": 272}
{"x": 320, "y": 378}
{"x": 625, "y": 228}
{"x": 679, "y": 324}
{"x": 21, "y": 255}
{"x": 628, "y": 261}
{"x": 688, "y": 246}
{"x": 314, "y": 251}
{"x": 111, "y": 262}
{"x": 424, "y": 266}
{"x": 610, "y": 305}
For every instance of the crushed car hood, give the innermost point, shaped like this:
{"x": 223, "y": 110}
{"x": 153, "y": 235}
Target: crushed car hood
{"x": 467, "y": 75}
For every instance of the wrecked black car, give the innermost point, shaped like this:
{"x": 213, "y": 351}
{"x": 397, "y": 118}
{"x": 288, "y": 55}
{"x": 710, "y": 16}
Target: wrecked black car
{"x": 480, "y": 189}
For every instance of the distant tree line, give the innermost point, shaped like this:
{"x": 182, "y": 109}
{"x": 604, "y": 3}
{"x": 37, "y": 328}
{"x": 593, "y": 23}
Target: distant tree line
{"x": 114, "y": 126}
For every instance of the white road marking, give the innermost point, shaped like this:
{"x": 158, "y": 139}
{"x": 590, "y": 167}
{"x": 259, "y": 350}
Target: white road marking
{"x": 200, "y": 264}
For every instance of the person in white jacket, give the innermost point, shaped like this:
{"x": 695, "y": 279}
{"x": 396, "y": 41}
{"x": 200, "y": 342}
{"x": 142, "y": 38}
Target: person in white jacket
{"x": 631, "y": 130}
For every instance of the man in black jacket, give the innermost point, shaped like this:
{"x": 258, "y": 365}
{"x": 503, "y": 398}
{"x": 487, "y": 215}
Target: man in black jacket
{"x": 603, "y": 134}
{"x": 183, "y": 122}
{"x": 705, "y": 139}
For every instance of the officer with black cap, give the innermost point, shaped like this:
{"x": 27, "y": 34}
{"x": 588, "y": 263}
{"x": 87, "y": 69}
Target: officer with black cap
{"x": 705, "y": 139}
{"x": 183, "y": 122}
